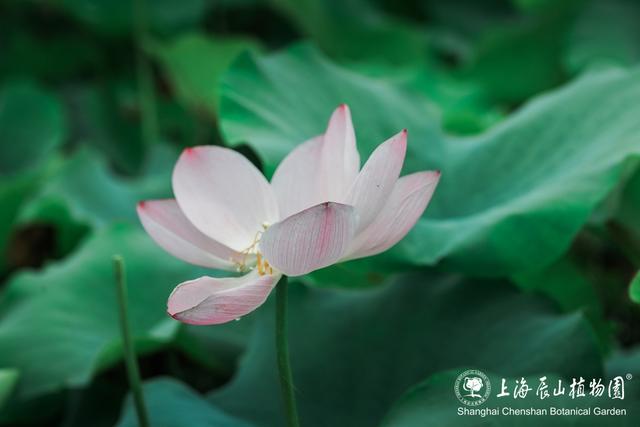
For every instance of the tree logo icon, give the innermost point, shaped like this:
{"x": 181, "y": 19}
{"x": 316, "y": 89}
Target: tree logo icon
{"x": 472, "y": 387}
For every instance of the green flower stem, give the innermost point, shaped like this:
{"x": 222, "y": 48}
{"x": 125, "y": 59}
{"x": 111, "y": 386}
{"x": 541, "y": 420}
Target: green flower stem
{"x": 127, "y": 343}
{"x": 282, "y": 348}
{"x": 146, "y": 93}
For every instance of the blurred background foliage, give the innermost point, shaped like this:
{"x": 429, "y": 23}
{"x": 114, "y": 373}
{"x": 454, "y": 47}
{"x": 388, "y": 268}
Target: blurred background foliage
{"x": 523, "y": 265}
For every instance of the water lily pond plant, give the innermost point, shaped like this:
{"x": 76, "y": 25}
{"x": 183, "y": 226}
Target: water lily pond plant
{"x": 319, "y": 209}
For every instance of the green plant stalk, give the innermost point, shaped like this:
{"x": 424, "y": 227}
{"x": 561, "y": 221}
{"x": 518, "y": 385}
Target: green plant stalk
{"x": 282, "y": 349}
{"x": 146, "y": 93}
{"x": 127, "y": 343}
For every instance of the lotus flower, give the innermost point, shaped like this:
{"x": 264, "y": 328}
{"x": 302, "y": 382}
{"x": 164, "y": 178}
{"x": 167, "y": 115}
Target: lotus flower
{"x": 319, "y": 209}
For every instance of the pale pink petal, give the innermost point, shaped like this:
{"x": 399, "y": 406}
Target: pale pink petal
{"x": 377, "y": 179}
{"x": 223, "y": 195}
{"x": 407, "y": 202}
{"x": 340, "y": 160}
{"x": 171, "y": 230}
{"x": 295, "y": 181}
{"x": 210, "y": 301}
{"x": 319, "y": 170}
{"x": 309, "y": 240}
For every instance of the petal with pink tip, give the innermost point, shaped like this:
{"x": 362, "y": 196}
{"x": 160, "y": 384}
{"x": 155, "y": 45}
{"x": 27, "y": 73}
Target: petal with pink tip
{"x": 407, "y": 202}
{"x": 210, "y": 301}
{"x": 171, "y": 230}
{"x": 309, "y": 240}
{"x": 223, "y": 195}
{"x": 376, "y": 180}
{"x": 295, "y": 181}
{"x": 340, "y": 160}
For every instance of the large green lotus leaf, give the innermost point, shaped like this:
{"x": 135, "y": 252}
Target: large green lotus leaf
{"x": 194, "y": 63}
{"x": 510, "y": 200}
{"x": 260, "y": 104}
{"x": 433, "y": 402}
{"x": 94, "y": 195}
{"x": 62, "y": 324}
{"x": 82, "y": 193}
{"x": 8, "y": 378}
{"x": 356, "y": 352}
{"x": 31, "y": 127}
{"x": 171, "y": 403}
{"x": 605, "y": 32}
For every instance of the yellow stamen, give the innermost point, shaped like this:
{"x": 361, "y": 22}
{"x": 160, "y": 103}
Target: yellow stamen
{"x": 261, "y": 263}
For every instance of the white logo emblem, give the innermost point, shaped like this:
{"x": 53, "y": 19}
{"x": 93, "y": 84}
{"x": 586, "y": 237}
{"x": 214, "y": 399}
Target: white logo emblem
{"x": 472, "y": 387}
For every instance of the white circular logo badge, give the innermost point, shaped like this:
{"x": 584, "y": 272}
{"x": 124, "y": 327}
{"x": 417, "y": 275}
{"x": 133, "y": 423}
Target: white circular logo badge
{"x": 472, "y": 387}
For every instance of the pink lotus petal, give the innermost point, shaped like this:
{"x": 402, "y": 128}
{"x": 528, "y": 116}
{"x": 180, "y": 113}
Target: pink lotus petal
{"x": 319, "y": 170}
{"x": 171, "y": 230}
{"x": 407, "y": 202}
{"x": 309, "y": 240}
{"x": 340, "y": 160}
{"x": 223, "y": 195}
{"x": 210, "y": 301}
{"x": 295, "y": 181}
{"x": 377, "y": 179}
